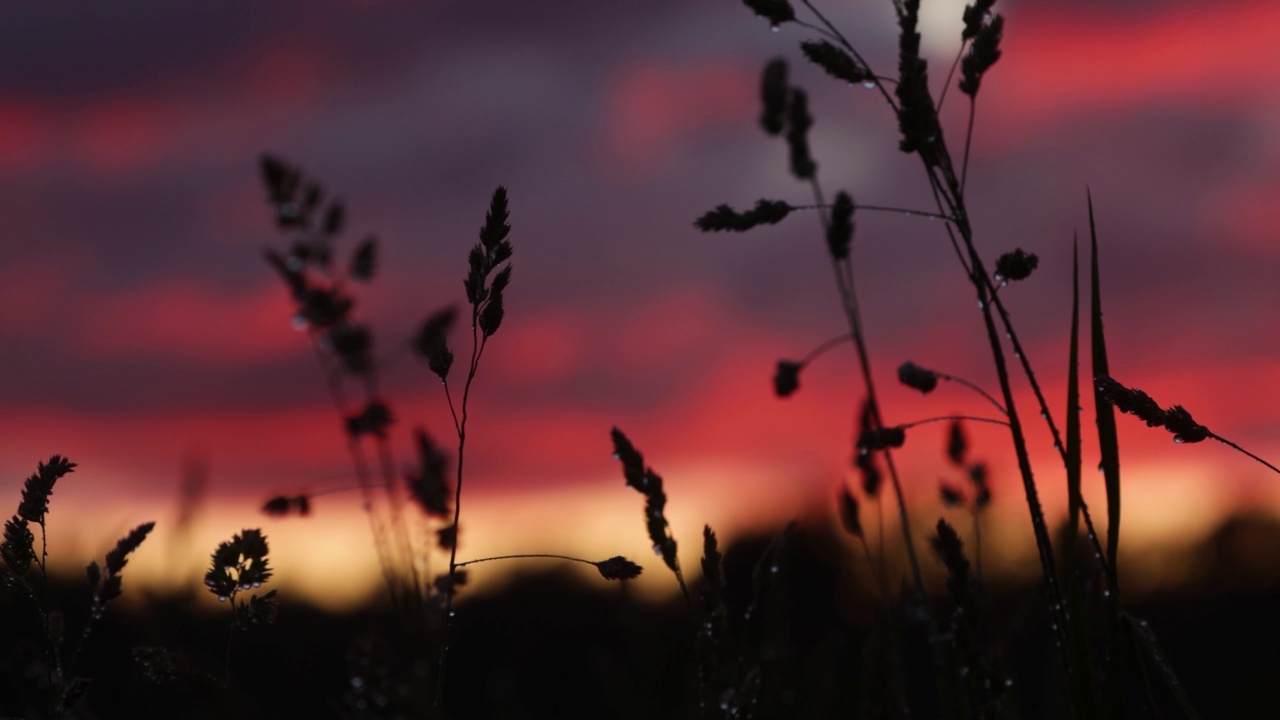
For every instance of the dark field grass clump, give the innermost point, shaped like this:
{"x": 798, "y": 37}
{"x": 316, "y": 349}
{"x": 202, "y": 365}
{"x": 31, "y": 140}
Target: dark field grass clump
{"x": 550, "y": 646}
{"x": 826, "y": 617}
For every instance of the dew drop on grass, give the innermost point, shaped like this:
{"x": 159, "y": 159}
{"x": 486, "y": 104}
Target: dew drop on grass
{"x": 1178, "y": 440}
{"x": 657, "y": 550}
{"x": 981, "y": 305}
{"x": 222, "y": 598}
{"x": 298, "y": 323}
{"x": 257, "y": 585}
{"x": 869, "y": 84}
{"x": 357, "y": 682}
{"x": 616, "y": 456}
{"x": 774, "y": 28}
{"x": 1044, "y": 415}
{"x": 773, "y": 568}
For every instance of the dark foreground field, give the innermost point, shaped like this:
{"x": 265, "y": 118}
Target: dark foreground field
{"x": 547, "y": 647}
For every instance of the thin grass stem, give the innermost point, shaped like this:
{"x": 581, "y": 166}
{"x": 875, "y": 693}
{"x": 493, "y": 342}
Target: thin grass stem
{"x": 968, "y": 141}
{"x": 477, "y": 349}
{"x": 973, "y": 387}
{"x": 1239, "y": 449}
{"x": 946, "y": 85}
{"x": 524, "y": 556}
{"x": 849, "y": 302}
{"x": 948, "y": 418}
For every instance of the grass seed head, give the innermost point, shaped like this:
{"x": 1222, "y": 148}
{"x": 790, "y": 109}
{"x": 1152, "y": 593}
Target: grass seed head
{"x": 725, "y": 218}
{"x": 286, "y": 505}
{"x": 983, "y": 53}
{"x": 775, "y": 11}
{"x": 975, "y": 17}
{"x": 618, "y": 568}
{"x": 773, "y": 96}
{"x": 1185, "y": 429}
{"x": 840, "y": 231}
{"x": 838, "y": 63}
{"x": 1016, "y": 265}
{"x": 39, "y": 486}
{"x": 353, "y": 344}
{"x": 786, "y": 379}
{"x": 429, "y": 483}
{"x": 950, "y": 495}
{"x": 957, "y": 443}
{"x": 373, "y": 420}
{"x": 364, "y": 261}
{"x": 914, "y": 376}
{"x": 881, "y": 439}
{"x": 17, "y": 549}
{"x": 950, "y": 551}
{"x": 849, "y": 517}
{"x": 238, "y": 564}
{"x": 798, "y": 123}
{"x": 431, "y": 342}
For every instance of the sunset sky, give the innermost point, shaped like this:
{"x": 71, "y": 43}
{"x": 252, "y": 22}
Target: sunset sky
{"x": 142, "y": 331}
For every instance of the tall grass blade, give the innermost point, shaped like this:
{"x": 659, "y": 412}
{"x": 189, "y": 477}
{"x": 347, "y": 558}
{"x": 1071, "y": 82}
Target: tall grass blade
{"x": 1073, "y": 459}
{"x": 1109, "y": 448}
{"x": 1146, "y": 640}
{"x": 1077, "y": 632}
{"x": 1108, "y": 442}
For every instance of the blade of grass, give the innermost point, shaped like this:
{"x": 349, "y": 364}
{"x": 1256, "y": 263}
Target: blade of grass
{"x": 1072, "y": 570}
{"x": 1108, "y": 441}
{"x": 1109, "y": 447}
{"x": 1145, "y": 639}
{"x": 1073, "y": 449}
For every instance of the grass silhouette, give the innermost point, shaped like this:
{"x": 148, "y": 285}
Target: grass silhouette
{"x": 761, "y": 631}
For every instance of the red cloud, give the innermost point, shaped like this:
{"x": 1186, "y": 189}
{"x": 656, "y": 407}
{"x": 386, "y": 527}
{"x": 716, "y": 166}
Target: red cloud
{"x": 24, "y": 136}
{"x": 651, "y": 107}
{"x": 191, "y": 319}
{"x": 1059, "y": 63}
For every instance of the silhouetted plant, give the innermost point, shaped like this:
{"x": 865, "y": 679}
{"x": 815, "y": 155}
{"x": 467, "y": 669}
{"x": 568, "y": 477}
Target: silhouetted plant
{"x": 910, "y": 97}
{"x": 326, "y": 311}
{"x": 62, "y": 687}
{"x": 238, "y": 566}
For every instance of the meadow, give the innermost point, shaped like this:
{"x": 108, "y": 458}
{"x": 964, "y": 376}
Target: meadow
{"x": 878, "y": 604}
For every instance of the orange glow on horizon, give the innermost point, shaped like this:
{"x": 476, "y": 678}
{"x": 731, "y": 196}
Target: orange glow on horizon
{"x": 328, "y": 559}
